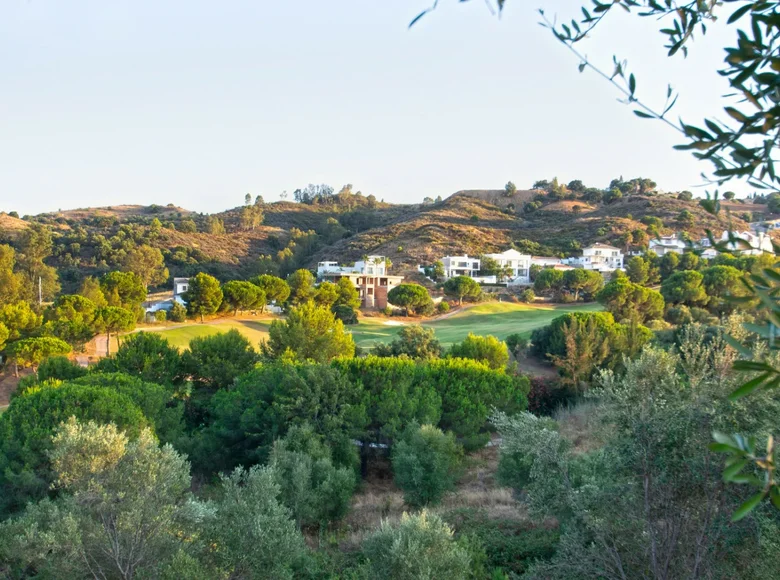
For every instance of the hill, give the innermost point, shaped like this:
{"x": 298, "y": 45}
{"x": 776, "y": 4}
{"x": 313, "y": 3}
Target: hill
{"x": 347, "y": 226}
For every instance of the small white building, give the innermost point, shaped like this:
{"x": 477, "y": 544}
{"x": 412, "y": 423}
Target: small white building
{"x": 599, "y": 257}
{"x": 668, "y": 245}
{"x": 460, "y": 266}
{"x": 517, "y": 265}
{"x": 180, "y": 286}
{"x": 545, "y": 261}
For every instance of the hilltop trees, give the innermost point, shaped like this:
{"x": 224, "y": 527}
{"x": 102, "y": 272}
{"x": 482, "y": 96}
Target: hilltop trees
{"x": 204, "y": 295}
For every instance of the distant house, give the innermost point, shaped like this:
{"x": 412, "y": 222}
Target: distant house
{"x": 599, "y": 257}
{"x": 369, "y": 277}
{"x": 765, "y": 226}
{"x": 518, "y": 265}
{"x": 180, "y": 286}
{"x": 756, "y": 243}
{"x": 460, "y": 266}
{"x": 545, "y": 261}
{"x": 668, "y": 245}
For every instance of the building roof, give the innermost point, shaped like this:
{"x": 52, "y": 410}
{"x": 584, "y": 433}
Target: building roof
{"x": 510, "y": 254}
{"x": 602, "y": 246}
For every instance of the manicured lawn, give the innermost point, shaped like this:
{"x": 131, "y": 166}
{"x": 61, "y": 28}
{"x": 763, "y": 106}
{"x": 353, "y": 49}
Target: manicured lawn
{"x": 497, "y": 318}
{"x": 180, "y": 336}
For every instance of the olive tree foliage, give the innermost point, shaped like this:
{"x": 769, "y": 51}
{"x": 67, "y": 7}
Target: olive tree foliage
{"x": 425, "y": 464}
{"x": 419, "y": 547}
{"x": 652, "y": 483}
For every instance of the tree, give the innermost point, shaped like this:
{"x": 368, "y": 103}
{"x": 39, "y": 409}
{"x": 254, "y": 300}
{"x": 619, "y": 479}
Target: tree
{"x": 72, "y": 318}
{"x": 414, "y": 341}
{"x": 685, "y": 287}
{"x": 326, "y": 294}
{"x": 624, "y": 299}
{"x": 31, "y": 352}
{"x": 729, "y": 195}
{"x": 247, "y": 199}
{"x": 315, "y": 489}
{"x": 486, "y": 349}
{"x": 586, "y": 349}
{"x": 20, "y": 320}
{"x": 251, "y": 216}
{"x": 276, "y": 290}
{"x": 309, "y": 333}
{"x": 10, "y": 281}
{"x": 301, "y": 284}
{"x": 686, "y": 218}
{"x": 91, "y": 290}
{"x": 411, "y": 297}
{"x": 188, "y": 226}
{"x": 257, "y": 537}
{"x": 214, "y": 362}
{"x": 488, "y": 266}
{"x": 419, "y": 546}
{"x": 548, "y": 280}
{"x": 425, "y": 465}
{"x": 148, "y": 263}
{"x": 35, "y": 246}
{"x": 148, "y": 356}
{"x": 576, "y": 185}
{"x": 178, "y": 312}
{"x": 461, "y": 287}
{"x": 204, "y": 295}
{"x": 215, "y": 226}
{"x": 638, "y": 270}
{"x": 668, "y": 264}
{"x": 123, "y": 289}
{"x": 3, "y": 335}
{"x": 438, "y": 270}
{"x": 240, "y": 295}
{"x": 510, "y": 189}
{"x": 113, "y": 320}
{"x": 581, "y": 280}
{"x": 685, "y": 196}
{"x": 347, "y": 294}
{"x": 720, "y": 283}
{"x": 28, "y": 423}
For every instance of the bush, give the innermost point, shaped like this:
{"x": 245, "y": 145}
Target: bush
{"x": 517, "y": 344}
{"x": 146, "y": 355}
{"x": 178, "y": 313}
{"x": 510, "y": 545}
{"x": 527, "y": 295}
{"x": 487, "y": 349}
{"x": 315, "y": 490}
{"x": 419, "y": 546}
{"x": 425, "y": 464}
{"x": 161, "y": 316}
{"x": 547, "y": 395}
{"x": 309, "y": 333}
{"x": 60, "y": 368}
{"x": 214, "y": 362}
{"x": 414, "y": 341}
{"x": 387, "y": 311}
{"x": 443, "y": 307}
{"x": 679, "y": 315}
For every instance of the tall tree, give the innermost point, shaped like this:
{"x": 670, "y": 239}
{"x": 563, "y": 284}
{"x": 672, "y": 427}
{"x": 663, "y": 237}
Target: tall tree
{"x": 276, "y": 290}
{"x": 113, "y": 320}
{"x": 240, "y": 295}
{"x": 204, "y": 295}
{"x": 123, "y": 289}
{"x": 91, "y": 290}
{"x": 461, "y": 287}
{"x": 309, "y": 333}
{"x": 148, "y": 263}
{"x": 36, "y": 246}
{"x": 301, "y": 284}
{"x": 10, "y": 280}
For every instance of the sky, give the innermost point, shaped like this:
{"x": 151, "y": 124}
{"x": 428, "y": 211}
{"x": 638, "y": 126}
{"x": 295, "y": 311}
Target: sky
{"x": 197, "y": 102}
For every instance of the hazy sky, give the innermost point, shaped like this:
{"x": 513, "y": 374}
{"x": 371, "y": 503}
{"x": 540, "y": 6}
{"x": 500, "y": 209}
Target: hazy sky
{"x": 198, "y": 102}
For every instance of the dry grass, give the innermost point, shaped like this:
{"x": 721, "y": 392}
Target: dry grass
{"x": 380, "y": 500}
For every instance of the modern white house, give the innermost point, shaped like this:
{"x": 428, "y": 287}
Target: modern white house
{"x": 757, "y": 243}
{"x": 369, "y": 277}
{"x": 517, "y": 265}
{"x": 671, "y": 244}
{"x": 599, "y": 257}
{"x": 460, "y": 266}
{"x": 545, "y": 261}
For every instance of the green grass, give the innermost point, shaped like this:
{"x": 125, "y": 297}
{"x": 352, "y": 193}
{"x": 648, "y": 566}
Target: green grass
{"x": 181, "y": 336}
{"x": 497, "y": 318}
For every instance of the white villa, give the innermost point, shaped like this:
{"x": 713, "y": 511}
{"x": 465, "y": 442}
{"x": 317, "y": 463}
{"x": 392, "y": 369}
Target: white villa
{"x": 518, "y": 265}
{"x": 460, "y": 266}
{"x": 599, "y": 257}
{"x": 671, "y": 244}
{"x": 545, "y": 261}
{"x": 759, "y": 243}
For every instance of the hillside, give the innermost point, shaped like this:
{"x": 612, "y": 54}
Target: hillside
{"x": 348, "y": 226}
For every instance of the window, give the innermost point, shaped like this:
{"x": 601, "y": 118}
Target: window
{"x": 370, "y": 291}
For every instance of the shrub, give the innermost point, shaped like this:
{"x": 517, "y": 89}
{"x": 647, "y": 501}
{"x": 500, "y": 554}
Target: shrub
{"x": 214, "y": 362}
{"x": 146, "y": 355}
{"x": 315, "y": 490}
{"x": 161, "y": 316}
{"x": 547, "y": 395}
{"x": 517, "y": 344}
{"x": 387, "y": 311}
{"x": 487, "y": 349}
{"x": 425, "y": 465}
{"x": 310, "y": 333}
{"x": 60, "y": 368}
{"x": 527, "y": 295}
{"x": 414, "y": 341}
{"x": 419, "y": 546}
{"x": 679, "y": 315}
{"x": 346, "y": 314}
{"x": 443, "y": 307}
{"x": 178, "y": 313}
{"x": 510, "y": 545}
